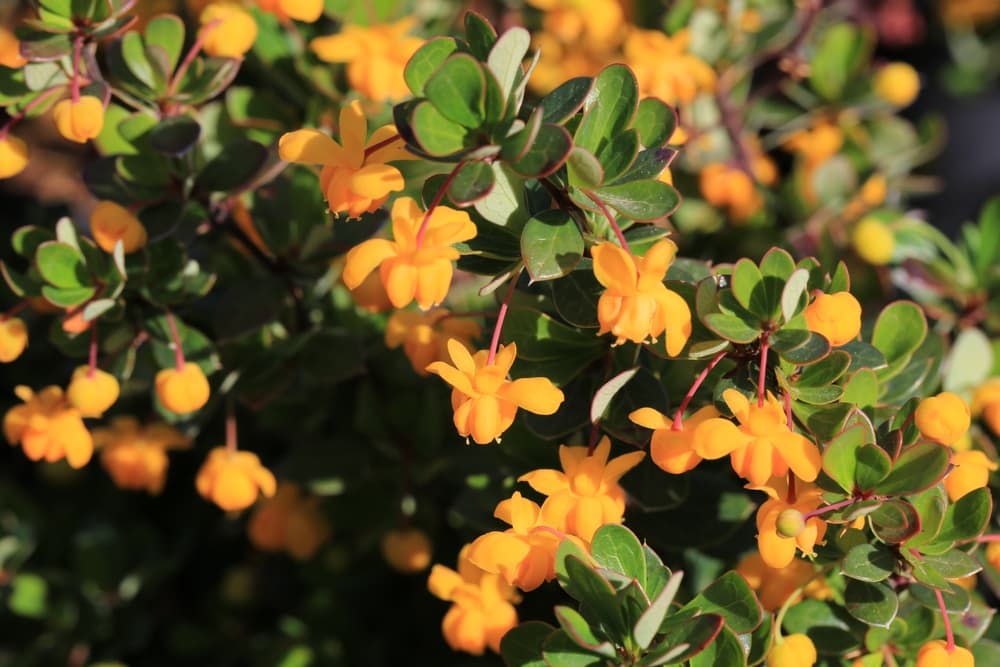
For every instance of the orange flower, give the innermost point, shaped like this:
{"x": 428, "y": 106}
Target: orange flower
{"x": 13, "y": 338}
{"x": 674, "y": 451}
{"x": 935, "y": 653}
{"x": 992, "y": 555}
{"x": 79, "y": 120}
{"x": 307, "y": 11}
{"x": 355, "y": 177}
{"x": 484, "y": 400}
{"x": 482, "y": 612}
{"x": 13, "y": 156}
{"x": 289, "y": 522}
{"x": 986, "y": 404}
{"x": 111, "y": 222}
{"x": 92, "y": 391}
{"x": 792, "y": 651}
{"x": 762, "y": 446}
{"x": 836, "y": 316}
{"x": 597, "y": 24}
{"x": 228, "y": 30}
{"x": 774, "y": 586}
{"x": 233, "y": 479}
{"x": 375, "y": 55}
{"x": 585, "y": 494}
{"x": 664, "y": 68}
{"x": 10, "y": 50}
{"x": 816, "y": 145}
{"x": 636, "y": 305}
{"x": 425, "y": 336}
{"x": 47, "y": 427}
{"x": 407, "y": 550}
{"x": 135, "y": 455}
{"x": 525, "y": 553}
{"x": 943, "y": 418}
{"x": 776, "y": 548}
{"x": 182, "y": 390}
{"x": 972, "y": 471}
{"x": 728, "y": 187}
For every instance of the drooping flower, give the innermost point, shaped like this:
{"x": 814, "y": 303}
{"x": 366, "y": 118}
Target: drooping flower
{"x": 774, "y": 586}
{"x": 836, "y": 316}
{"x": 182, "y": 390}
{"x": 228, "y": 30}
{"x": 13, "y": 338}
{"x": 355, "y": 178}
{"x": 234, "y": 479}
{"x": 375, "y": 55}
{"x": 135, "y": 455}
{"x": 986, "y": 404}
{"x": 111, "y": 222}
{"x": 289, "y": 522}
{"x": 792, "y": 651}
{"x": 674, "y": 451}
{"x": 972, "y": 471}
{"x": 482, "y": 612}
{"x": 524, "y": 554}
{"x": 10, "y": 50}
{"x": 774, "y": 540}
{"x": 897, "y": 83}
{"x": 92, "y": 391}
{"x": 485, "y": 401}
{"x": 79, "y": 120}
{"x": 762, "y": 445}
{"x": 935, "y": 653}
{"x": 48, "y": 428}
{"x": 425, "y": 336}
{"x": 13, "y": 156}
{"x": 407, "y": 550}
{"x": 307, "y": 11}
{"x": 943, "y": 418}
{"x": 873, "y": 241}
{"x": 665, "y": 68}
{"x": 412, "y": 267}
{"x": 585, "y": 494}
{"x": 636, "y": 305}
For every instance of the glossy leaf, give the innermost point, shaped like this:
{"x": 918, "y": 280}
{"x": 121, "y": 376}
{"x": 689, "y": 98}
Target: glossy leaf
{"x": 871, "y": 603}
{"x": 551, "y": 245}
{"x": 522, "y": 645}
{"x": 616, "y": 548}
{"x": 640, "y": 200}
{"x": 869, "y": 562}
{"x": 918, "y": 467}
{"x": 731, "y": 597}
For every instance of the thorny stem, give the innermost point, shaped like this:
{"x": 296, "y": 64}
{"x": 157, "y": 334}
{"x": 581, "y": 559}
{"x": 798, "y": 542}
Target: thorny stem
{"x": 192, "y": 53}
{"x": 501, "y": 316}
{"x": 678, "y": 424}
{"x": 178, "y": 348}
{"x": 74, "y": 82}
{"x": 436, "y": 201}
{"x": 949, "y": 635}
{"x": 230, "y": 426}
{"x": 92, "y": 361}
{"x": 611, "y": 220}
{"x": 382, "y": 144}
{"x": 763, "y": 370}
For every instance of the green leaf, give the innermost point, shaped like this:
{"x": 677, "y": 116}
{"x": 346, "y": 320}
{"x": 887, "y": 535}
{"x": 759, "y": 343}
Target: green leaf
{"x": 594, "y": 593}
{"x": 25, "y": 240}
{"x": 560, "y": 650}
{"x": 931, "y": 504}
{"x": 800, "y": 346}
{"x": 823, "y": 421}
{"x": 969, "y": 362}
{"x": 725, "y": 650}
{"x": 842, "y": 50}
{"x": 967, "y": 517}
{"x": 616, "y": 548}
{"x": 655, "y": 122}
{"x": 618, "y": 154}
{"x": 426, "y": 61}
{"x": 956, "y": 599}
{"x": 28, "y": 596}
{"x": 747, "y": 286}
{"x": 515, "y": 146}
{"x": 549, "y": 151}
{"x": 871, "y": 603}
{"x": 731, "y": 327}
{"x": 134, "y": 55}
{"x": 730, "y": 596}
{"x": 918, "y": 467}
{"x": 869, "y": 562}
{"x": 683, "y": 638}
{"x": 899, "y": 331}
{"x": 566, "y": 100}
{"x": 551, "y": 245}
{"x": 602, "y": 397}
{"x": 576, "y": 296}
{"x": 67, "y": 297}
{"x": 458, "y": 90}
{"x": 435, "y": 134}
{"x": 522, "y": 645}
{"x": 826, "y": 371}
{"x": 840, "y": 457}
{"x": 609, "y": 109}
{"x": 794, "y": 296}
{"x": 861, "y": 389}
{"x": 479, "y": 34}
{"x": 61, "y": 265}
{"x": 640, "y": 200}
{"x": 954, "y": 564}
{"x": 584, "y": 170}
{"x": 233, "y": 168}
{"x": 506, "y": 203}
{"x": 873, "y": 465}
{"x": 895, "y": 521}
{"x": 578, "y": 629}
{"x": 175, "y": 135}
{"x": 864, "y": 355}
{"x": 166, "y": 32}
{"x": 648, "y": 625}
{"x": 506, "y": 56}
{"x": 473, "y": 182}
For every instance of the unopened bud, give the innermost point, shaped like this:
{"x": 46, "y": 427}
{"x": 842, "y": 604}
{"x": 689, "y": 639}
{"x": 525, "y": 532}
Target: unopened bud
{"x": 791, "y": 523}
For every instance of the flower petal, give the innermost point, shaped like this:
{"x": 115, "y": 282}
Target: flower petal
{"x": 443, "y": 581}
{"x": 650, "y": 418}
{"x": 546, "y": 481}
{"x": 614, "y": 268}
{"x": 801, "y": 455}
{"x": 657, "y": 259}
{"x": 714, "y": 438}
{"x": 353, "y": 132}
{"x": 364, "y": 258}
{"x": 308, "y": 147}
{"x": 537, "y": 395}
{"x": 620, "y": 465}
{"x": 376, "y": 181}
{"x": 452, "y": 376}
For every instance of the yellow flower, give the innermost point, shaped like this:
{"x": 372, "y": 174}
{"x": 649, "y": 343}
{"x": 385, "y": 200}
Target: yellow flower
{"x": 664, "y": 68}
{"x": 992, "y": 555}
{"x": 762, "y": 446}
{"x": 48, "y": 428}
{"x": 92, "y": 391}
{"x": 111, "y": 222}
{"x": 836, "y": 316}
{"x": 986, "y": 404}
{"x": 636, "y": 305}
{"x": 182, "y": 390}
{"x": 935, "y": 653}
{"x": 774, "y": 586}
{"x": 135, "y": 455}
{"x": 792, "y": 651}
{"x": 897, "y": 83}
{"x": 10, "y": 50}
{"x": 228, "y": 30}
{"x": 873, "y": 241}
{"x": 560, "y": 62}
{"x": 673, "y": 451}
{"x": 972, "y": 471}
{"x": 596, "y": 24}
{"x": 13, "y": 156}
{"x": 482, "y": 612}
{"x": 79, "y": 120}
{"x": 412, "y": 267}
{"x": 525, "y": 553}
{"x": 233, "y": 479}
{"x": 289, "y": 522}
{"x": 375, "y": 55}
{"x": 816, "y": 145}
{"x": 425, "y": 336}
{"x": 943, "y": 418}
{"x": 776, "y": 549}
{"x": 725, "y": 186}
{"x": 407, "y": 550}
{"x": 13, "y": 338}
{"x": 307, "y": 11}
{"x": 355, "y": 178}
{"x": 484, "y": 400}
{"x": 585, "y": 494}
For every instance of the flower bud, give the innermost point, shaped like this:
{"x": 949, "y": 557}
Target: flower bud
{"x": 13, "y": 339}
{"x": 79, "y": 120}
{"x": 897, "y": 84}
{"x": 873, "y": 241}
{"x": 836, "y": 316}
{"x": 184, "y": 390}
{"x": 936, "y": 654}
{"x": 229, "y": 30}
{"x": 943, "y": 418}
{"x": 92, "y": 392}
{"x": 13, "y": 156}
{"x": 793, "y": 651}
{"x": 791, "y": 523}
{"x": 111, "y": 222}
{"x": 233, "y": 479}
{"x": 407, "y": 550}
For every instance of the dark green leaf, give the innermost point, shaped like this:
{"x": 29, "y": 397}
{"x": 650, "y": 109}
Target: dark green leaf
{"x": 956, "y": 599}
{"x": 609, "y": 109}
{"x": 233, "y": 168}
{"x": 549, "y": 151}
{"x": 872, "y": 467}
{"x": 871, "y": 603}
{"x": 726, "y": 650}
{"x": 640, "y": 200}
{"x": 655, "y": 122}
{"x": 731, "y": 327}
{"x": 731, "y": 597}
{"x": 479, "y": 34}
{"x": 584, "y": 170}
{"x": 175, "y": 135}
{"x": 473, "y": 182}
{"x": 800, "y": 346}
{"x": 522, "y": 645}
{"x": 551, "y": 245}
{"x": 562, "y": 103}
{"x": 869, "y": 562}
{"x": 918, "y": 467}
{"x": 899, "y": 330}
{"x": 616, "y": 548}
{"x": 458, "y": 90}
{"x": 967, "y": 517}
{"x": 840, "y": 456}
{"x": 578, "y": 629}
{"x": 683, "y": 638}
{"x": 895, "y": 521}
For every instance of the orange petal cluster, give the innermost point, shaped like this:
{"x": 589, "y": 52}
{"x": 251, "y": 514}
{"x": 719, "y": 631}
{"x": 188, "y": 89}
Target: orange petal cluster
{"x": 48, "y": 428}
{"x": 424, "y": 336}
{"x": 289, "y": 521}
{"x": 135, "y": 455}
{"x": 234, "y": 479}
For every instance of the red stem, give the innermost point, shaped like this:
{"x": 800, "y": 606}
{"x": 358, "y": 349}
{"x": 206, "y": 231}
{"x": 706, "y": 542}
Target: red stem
{"x": 986, "y": 538}
{"x": 382, "y": 144}
{"x": 763, "y": 370}
{"x": 595, "y": 431}
{"x": 819, "y": 511}
{"x": 501, "y": 316}
{"x": 787, "y": 398}
{"x": 230, "y": 427}
{"x": 791, "y": 495}
{"x": 192, "y": 53}
{"x": 949, "y": 635}
{"x": 678, "y": 424}
{"x": 92, "y": 361}
{"x": 178, "y": 348}
{"x": 14, "y": 310}
{"x": 611, "y": 220}
{"x": 436, "y": 201}
{"x": 74, "y": 82}
{"x": 19, "y": 116}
